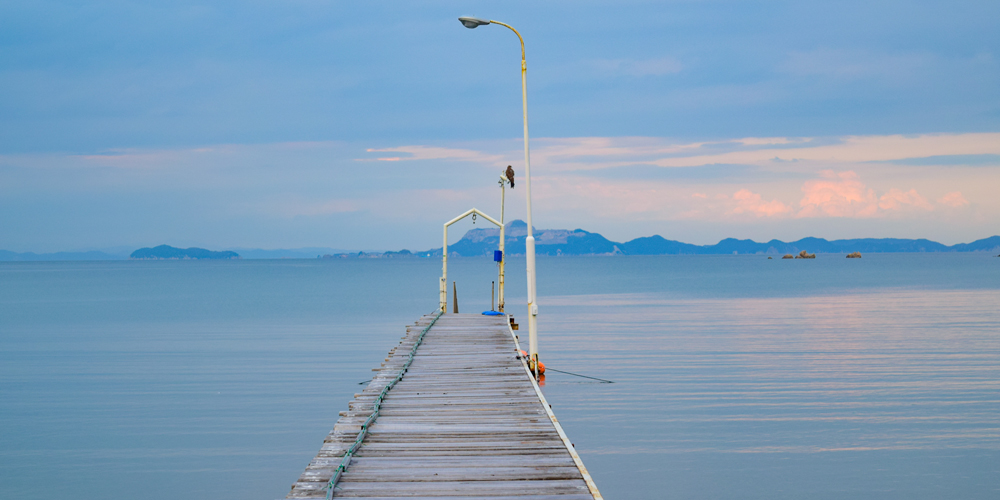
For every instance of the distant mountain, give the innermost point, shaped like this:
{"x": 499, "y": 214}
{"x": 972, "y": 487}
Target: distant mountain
{"x": 286, "y": 253}
{"x": 658, "y": 245}
{"x": 991, "y": 244}
{"x": 579, "y": 242}
{"x": 662, "y": 246}
{"x": 124, "y": 253}
{"x": 547, "y": 242}
{"x": 482, "y": 242}
{"x": 402, "y": 254}
{"x": 172, "y": 253}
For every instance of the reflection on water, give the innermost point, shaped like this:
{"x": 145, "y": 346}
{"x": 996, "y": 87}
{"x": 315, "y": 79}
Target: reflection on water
{"x": 735, "y": 376}
{"x": 870, "y": 393}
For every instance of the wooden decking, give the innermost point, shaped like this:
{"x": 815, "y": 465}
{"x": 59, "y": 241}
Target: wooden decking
{"x": 466, "y": 421}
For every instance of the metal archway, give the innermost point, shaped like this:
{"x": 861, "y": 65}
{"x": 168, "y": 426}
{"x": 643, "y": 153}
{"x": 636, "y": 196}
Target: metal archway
{"x": 444, "y": 256}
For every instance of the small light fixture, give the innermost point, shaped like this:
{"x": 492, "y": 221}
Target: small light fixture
{"x": 472, "y": 22}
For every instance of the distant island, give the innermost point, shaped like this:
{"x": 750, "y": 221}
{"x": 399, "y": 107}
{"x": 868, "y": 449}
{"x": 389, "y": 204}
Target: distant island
{"x": 167, "y": 252}
{"x": 482, "y": 242}
{"x": 555, "y": 242}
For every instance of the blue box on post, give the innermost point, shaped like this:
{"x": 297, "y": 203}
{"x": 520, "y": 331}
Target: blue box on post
{"x": 497, "y": 256}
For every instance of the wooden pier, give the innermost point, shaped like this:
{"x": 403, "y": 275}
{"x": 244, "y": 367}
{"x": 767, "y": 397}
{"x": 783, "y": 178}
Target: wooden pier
{"x": 465, "y": 421}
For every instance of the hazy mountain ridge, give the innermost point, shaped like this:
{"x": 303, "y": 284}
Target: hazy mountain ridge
{"x": 580, "y": 242}
{"x": 286, "y": 253}
{"x": 480, "y": 242}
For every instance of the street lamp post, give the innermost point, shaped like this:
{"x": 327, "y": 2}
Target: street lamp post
{"x": 529, "y": 243}
{"x": 503, "y": 254}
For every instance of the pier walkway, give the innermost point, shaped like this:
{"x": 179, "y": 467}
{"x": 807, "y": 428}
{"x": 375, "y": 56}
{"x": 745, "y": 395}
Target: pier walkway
{"x": 465, "y": 421}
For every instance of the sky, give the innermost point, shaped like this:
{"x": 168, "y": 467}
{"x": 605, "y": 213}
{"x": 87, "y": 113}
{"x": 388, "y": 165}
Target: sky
{"x": 366, "y": 125}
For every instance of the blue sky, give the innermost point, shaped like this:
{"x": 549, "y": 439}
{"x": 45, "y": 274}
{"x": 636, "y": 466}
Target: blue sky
{"x": 363, "y": 125}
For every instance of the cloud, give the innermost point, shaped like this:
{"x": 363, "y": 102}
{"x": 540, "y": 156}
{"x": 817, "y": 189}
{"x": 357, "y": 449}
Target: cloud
{"x": 896, "y": 199}
{"x": 834, "y": 195}
{"x": 945, "y": 160}
{"x": 143, "y": 159}
{"x": 741, "y": 204}
{"x": 766, "y": 141}
{"x": 582, "y": 153}
{"x": 748, "y": 202}
{"x": 205, "y": 156}
{"x": 435, "y": 153}
{"x": 953, "y": 199}
{"x": 842, "y": 194}
{"x": 850, "y": 149}
{"x": 854, "y": 64}
{"x": 810, "y": 177}
{"x": 615, "y": 185}
{"x": 837, "y": 195}
{"x": 606, "y": 199}
{"x": 705, "y": 173}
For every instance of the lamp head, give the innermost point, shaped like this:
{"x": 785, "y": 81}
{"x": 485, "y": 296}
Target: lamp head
{"x": 472, "y": 22}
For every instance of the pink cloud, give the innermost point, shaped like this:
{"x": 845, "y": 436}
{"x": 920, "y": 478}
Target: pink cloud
{"x": 742, "y": 203}
{"x": 616, "y": 198}
{"x": 748, "y": 202}
{"x": 837, "y": 195}
{"x": 953, "y": 199}
{"x": 834, "y": 195}
{"x": 842, "y": 194}
{"x": 898, "y": 200}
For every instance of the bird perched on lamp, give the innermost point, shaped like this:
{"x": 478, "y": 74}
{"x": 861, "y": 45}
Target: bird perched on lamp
{"x": 510, "y": 176}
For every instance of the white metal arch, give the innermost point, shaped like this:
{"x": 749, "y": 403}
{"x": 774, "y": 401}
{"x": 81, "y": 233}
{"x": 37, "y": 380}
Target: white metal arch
{"x": 444, "y": 255}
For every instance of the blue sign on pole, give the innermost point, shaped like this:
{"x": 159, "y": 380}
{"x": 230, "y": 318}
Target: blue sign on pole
{"x": 497, "y": 256}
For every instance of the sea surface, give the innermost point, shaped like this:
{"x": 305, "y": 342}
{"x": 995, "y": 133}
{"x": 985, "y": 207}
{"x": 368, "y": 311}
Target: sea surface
{"x": 734, "y": 377}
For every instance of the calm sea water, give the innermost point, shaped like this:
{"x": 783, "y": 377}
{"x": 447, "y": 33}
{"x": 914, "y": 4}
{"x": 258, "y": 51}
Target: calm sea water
{"x": 735, "y": 376}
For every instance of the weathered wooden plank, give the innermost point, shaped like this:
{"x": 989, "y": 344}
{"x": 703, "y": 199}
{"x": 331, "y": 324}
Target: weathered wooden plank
{"x": 504, "y": 497}
{"x": 465, "y": 452}
{"x": 432, "y": 474}
{"x": 482, "y": 461}
{"x": 470, "y": 488}
{"x": 465, "y": 422}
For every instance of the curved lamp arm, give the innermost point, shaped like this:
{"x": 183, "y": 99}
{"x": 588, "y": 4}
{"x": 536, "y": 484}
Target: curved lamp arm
{"x": 474, "y": 22}
{"x": 524, "y": 66}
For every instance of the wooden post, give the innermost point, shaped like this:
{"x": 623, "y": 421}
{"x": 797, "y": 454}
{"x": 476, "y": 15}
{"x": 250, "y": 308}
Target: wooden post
{"x": 454, "y": 296}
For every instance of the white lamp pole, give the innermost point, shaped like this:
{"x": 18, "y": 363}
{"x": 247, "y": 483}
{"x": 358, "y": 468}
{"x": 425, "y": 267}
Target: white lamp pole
{"x": 529, "y": 243}
{"x": 503, "y": 252}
